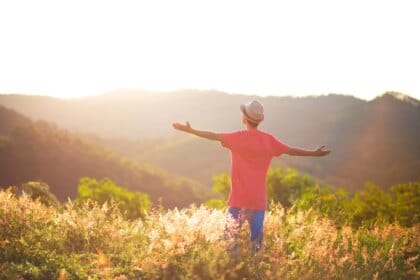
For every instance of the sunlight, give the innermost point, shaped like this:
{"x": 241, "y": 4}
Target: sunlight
{"x": 266, "y": 48}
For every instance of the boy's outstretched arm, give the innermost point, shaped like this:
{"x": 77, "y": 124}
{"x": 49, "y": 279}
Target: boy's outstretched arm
{"x": 204, "y": 134}
{"x": 319, "y": 152}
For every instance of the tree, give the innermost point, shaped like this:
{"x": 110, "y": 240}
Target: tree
{"x": 40, "y": 191}
{"x": 221, "y": 186}
{"x": 132, "y": 204}
{"x": 406, "y": 203}
{"x": 371, "y": 206}
{"x": 329, "y": 203}
{"x": 286, "y": 186}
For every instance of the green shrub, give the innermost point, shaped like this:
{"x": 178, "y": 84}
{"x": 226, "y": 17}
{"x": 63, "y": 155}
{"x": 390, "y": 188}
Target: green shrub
{"x": 132, "y": 204}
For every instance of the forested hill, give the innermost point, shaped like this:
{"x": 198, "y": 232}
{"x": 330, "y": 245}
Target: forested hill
{"x": 41, "y": 151}
{"x": 375, "y": 140}
{"x": 139, "y": 114}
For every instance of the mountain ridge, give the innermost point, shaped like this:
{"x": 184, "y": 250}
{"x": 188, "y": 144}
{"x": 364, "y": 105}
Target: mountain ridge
{"x": 374, "y": 140}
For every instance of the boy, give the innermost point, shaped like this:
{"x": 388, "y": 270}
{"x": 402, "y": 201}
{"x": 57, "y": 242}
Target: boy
{"x": 251, "y": 154}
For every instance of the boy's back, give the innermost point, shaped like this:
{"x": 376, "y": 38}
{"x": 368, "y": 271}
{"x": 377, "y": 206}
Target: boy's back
{"x": 251, "y": 153}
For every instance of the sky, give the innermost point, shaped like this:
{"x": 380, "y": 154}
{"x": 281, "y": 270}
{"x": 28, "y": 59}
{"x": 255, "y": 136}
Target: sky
{"x": 77, "y": 48}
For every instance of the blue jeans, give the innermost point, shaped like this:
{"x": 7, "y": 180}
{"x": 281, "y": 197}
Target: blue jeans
{"x": 235, "y": 219}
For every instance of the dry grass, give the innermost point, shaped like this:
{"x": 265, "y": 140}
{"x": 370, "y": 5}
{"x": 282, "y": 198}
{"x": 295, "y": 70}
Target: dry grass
{"x": 96, "y": 242}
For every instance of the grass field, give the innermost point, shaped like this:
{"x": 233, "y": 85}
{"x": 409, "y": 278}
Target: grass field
{"x": 95, "y": 242}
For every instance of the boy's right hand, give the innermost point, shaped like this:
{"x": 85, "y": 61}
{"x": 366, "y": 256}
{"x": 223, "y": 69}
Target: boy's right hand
{"x": 183, "y": 127}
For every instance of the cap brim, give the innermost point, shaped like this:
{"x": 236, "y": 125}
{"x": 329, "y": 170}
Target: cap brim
{"x": 242, "y": 107}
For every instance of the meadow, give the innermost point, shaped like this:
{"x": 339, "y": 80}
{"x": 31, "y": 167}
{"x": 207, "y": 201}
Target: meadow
{"x": 96, "y": 241}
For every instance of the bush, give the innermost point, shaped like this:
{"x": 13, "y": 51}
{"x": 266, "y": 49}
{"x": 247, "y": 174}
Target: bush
{"x": 406, "y": 203}
{"x": 285, "y": 186}
{"x": 370, "y": 207}
{"x": 38, "y": 190}
{"x": 132, "y": 204}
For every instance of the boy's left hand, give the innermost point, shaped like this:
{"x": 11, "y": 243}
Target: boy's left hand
{"x": 320, "y": 152}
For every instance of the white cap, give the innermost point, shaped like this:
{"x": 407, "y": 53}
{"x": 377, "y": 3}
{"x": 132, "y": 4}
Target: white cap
{"x": 253, "y": 111}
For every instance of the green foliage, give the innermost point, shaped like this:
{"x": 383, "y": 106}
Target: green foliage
{"x": 221, "y": 185}
{"x": 369, "y": 207}
{"x": 406, "y": 203}
{"x": 286, "y": 186}
{"x": 335, "y": 205}
{"x": 31, "y": 245}
{"x": 132, "y": 204}
{"x": 215, "y": 204}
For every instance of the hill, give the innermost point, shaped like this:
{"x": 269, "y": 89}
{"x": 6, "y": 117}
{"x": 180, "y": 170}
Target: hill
{"x": 371, "y": 140}
{"x": 143, "y": 115}
{"x": 43, "y": 152}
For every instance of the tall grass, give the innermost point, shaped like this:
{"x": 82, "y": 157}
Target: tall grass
{"x": 95, "y": 242}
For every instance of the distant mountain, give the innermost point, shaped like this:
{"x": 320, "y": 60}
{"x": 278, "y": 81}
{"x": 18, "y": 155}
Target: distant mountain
{"x": 141, "y": 115}
{"x": 381, "y": 140}
{"x": 374, "y": 140}
{"x": 41, "y": 151}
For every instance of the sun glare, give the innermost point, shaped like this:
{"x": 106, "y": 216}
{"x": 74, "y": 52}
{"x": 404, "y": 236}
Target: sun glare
{"x": 257, "y": 47}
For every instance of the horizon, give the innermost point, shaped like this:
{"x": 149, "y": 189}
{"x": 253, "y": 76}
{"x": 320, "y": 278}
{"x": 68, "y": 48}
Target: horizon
{"x": 147, "y": 91}
{"x": 301, "y": 48}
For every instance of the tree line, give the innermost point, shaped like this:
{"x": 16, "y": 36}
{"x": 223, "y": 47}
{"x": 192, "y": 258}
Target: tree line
{"x": 368, "y": 207}
{"x": 286, "y": 188}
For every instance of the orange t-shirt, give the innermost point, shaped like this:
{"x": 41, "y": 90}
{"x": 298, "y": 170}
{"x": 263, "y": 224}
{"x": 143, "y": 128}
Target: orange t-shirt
{"x": 251, "y": 154}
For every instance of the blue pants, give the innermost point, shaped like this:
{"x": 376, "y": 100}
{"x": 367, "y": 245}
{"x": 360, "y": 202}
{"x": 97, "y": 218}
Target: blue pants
{"x": 235, "y": 219}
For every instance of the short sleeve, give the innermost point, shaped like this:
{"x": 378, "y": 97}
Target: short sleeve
{"x": 278, "y": 147}
{"x": 229, "y": 139}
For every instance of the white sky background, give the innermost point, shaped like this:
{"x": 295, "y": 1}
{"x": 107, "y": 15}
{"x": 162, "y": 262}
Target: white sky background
{"x": 77, "y": 48}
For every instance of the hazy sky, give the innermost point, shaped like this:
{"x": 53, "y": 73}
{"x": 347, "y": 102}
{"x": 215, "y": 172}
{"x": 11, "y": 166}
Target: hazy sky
{"x": 75, "y": 48}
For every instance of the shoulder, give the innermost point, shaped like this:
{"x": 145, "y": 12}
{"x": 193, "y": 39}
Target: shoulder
{"x": 232, "y": 133}
{"x": 267, "y": 135}
{"x": 228, "y": 139}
